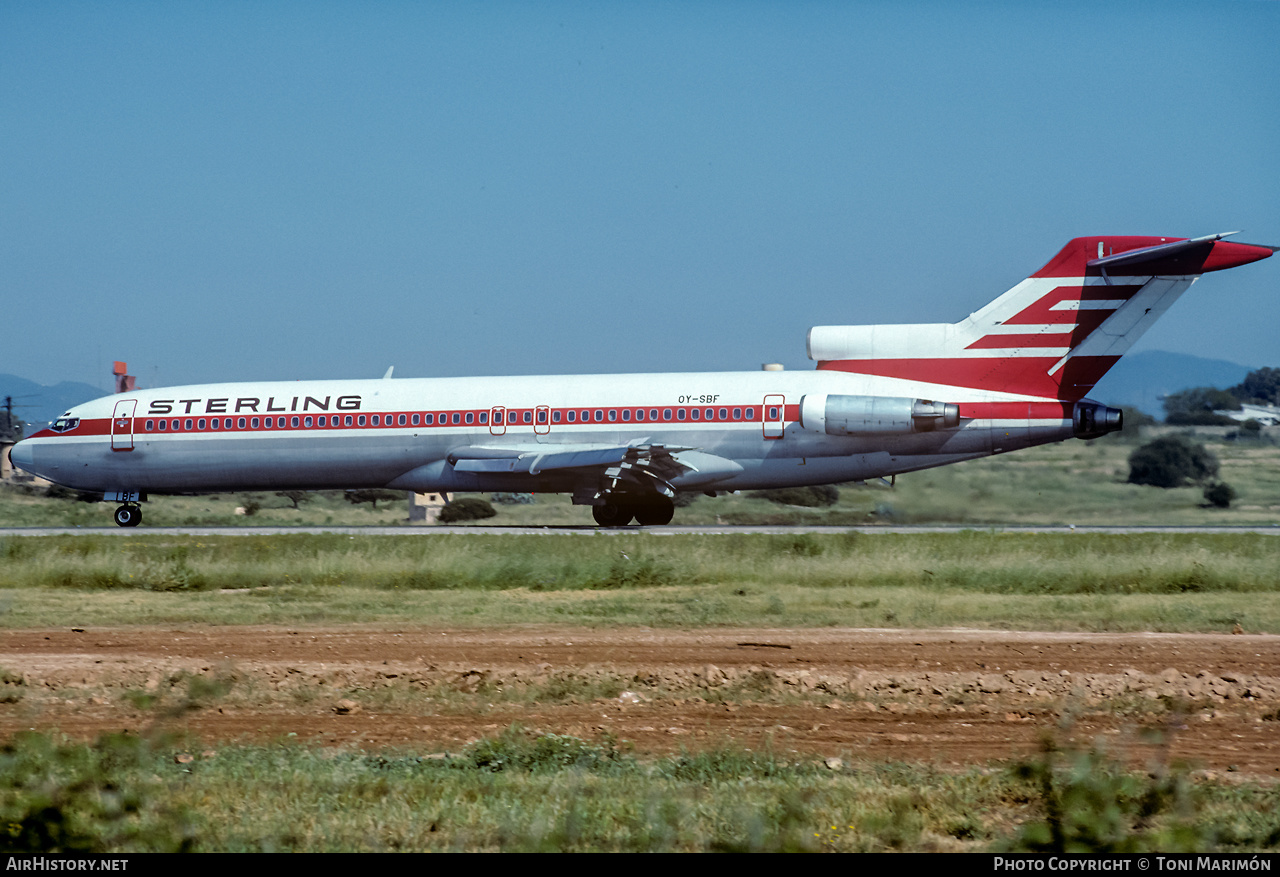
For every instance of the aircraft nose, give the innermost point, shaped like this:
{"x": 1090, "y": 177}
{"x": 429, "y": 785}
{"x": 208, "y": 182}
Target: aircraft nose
{"x": 22, "y": 456}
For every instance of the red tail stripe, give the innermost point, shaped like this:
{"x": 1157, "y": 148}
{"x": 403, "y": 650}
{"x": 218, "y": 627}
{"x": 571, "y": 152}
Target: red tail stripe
{"x": 1011, "y": 342}
{"x": 1041, "y": 310}
{"x": 1025, "y": 375}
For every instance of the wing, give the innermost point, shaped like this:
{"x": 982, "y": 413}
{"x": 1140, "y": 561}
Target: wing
{"x": 639, "y": 466}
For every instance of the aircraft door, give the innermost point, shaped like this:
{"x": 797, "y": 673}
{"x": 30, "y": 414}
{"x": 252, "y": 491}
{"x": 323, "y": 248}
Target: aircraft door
{"x": 774, "y": 411}
{"x": 498, "y": 421}
{"x": 542, "y": 420}
{"x": 122, "y": 425}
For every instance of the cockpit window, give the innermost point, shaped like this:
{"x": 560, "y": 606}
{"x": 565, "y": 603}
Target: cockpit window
{"x": 63, "y": 424}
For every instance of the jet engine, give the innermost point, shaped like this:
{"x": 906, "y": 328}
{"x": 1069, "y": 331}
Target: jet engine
{"x": 875, "y": 415}
{"x": 1091, "y": 420}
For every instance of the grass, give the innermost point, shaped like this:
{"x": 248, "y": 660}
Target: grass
{"x": 521, "y": 791}
{"x": 1149, "y": 581}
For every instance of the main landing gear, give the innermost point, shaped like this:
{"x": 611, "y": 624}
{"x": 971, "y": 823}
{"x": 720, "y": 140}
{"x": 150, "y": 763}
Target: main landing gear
{"x": 648, "y": 511}
{"x": 128, "y": 515}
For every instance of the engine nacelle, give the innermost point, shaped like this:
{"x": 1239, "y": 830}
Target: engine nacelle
{"x": 1091, "y": 420}
{"x": 875, "y": 415}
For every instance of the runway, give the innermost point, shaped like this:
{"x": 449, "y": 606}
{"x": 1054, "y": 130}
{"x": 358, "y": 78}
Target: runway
{"x": 669, "y": 530}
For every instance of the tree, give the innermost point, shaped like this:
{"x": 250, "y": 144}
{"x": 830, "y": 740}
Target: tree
{"x": 295, "y": 497}
{"x": 1171, "y": 461}
{"x": 1196, "y": 407}
{"x": 1261, "y": 387}
{"x": 373, "y": 495}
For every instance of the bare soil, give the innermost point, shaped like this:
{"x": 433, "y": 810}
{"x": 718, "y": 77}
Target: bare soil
{"x": 953, "y": 698}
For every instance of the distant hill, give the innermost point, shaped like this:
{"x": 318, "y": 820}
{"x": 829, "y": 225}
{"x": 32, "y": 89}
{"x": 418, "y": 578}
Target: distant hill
{"x": 37, "y": 404}
{"x": 1140, "y": 379}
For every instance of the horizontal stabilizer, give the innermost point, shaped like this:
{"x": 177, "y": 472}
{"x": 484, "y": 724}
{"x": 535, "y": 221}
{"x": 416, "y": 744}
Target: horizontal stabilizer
{"x": 1194, "y": 256}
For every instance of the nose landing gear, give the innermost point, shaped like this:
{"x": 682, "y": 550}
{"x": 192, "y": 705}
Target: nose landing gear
{"x": 128, "y": 515}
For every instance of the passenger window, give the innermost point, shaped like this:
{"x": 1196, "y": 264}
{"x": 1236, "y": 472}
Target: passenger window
{"x": 415, "y": 419}
{"x": 240, "y": 423}
{"x": 626, "y": 415}
{"x": 164, "y": 425}
{"x": 680, "y": 415}
{"x": 751, "y": 414}
{"x": 694, "y": 413}
{"x": 254, "y": 423}
{"x": 572, "y": 415}
{"x": 306, "y": 421}
{"x": 429, "y": 419}
{"x": 599, "y": 414}
{"x": 666, "y": 413}
{"x": 470, "y": 417}
{"x": 186, "y": 424}
{"x": 555, "y": 416}
{"x": 527, "y": 416}
{"x": 724, "y": 413}
{"x": 360, "y": 421}
{"x": 737, "y": 414}
{"x": 773, "y": 413}
{"x": 151, "y": 425}
{"x": 639, "y": 414}
{"x": 375, "y": 420}
{"x": 484, "y": 417}
{"x": 613, "y": 415}
{"x": 456, "y": 417}
{"x": 542, "y": 416}
{"x": 497, "y": 418}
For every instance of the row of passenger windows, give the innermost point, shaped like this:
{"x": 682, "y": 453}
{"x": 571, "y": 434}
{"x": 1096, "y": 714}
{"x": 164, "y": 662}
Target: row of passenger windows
{"x": 457, "y": 418}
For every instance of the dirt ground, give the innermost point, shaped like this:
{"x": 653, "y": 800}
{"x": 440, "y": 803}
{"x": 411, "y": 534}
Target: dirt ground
{"x": 953, "y": 698}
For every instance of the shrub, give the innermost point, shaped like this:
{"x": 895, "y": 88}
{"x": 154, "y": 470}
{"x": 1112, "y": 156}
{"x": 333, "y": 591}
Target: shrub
{"x": 512, "y": 498}
{"x": 809, "y": 497}
{"x": 1219, "y": 494}
{"x": 468, "y": 508}
{"x": 1171, "y": 461}
{"x": 72, "y": 798}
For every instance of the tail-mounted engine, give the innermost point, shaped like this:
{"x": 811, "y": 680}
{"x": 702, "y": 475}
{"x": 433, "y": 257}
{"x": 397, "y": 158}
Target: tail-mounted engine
{"x": 1090, "y": 420}
{"x": 875, "y": 415}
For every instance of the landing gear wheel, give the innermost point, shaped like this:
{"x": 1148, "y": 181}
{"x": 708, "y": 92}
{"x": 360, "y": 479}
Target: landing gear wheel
{"x": 655, "y": 512}
{"x": 612, "y": 514}
{"x": 128, "y": 516}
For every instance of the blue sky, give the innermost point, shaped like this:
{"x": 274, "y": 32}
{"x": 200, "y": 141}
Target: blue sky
{"x": 275, "y": 190}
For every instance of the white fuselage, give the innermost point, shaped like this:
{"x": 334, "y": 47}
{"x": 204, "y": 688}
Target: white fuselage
{"x": 400, "y": 433}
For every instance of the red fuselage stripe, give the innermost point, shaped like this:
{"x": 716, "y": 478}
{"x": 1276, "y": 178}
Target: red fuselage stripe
{"x": 514, "y": 418}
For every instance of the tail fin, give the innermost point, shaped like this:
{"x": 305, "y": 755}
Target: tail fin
{"x": 1055, "y": 334}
